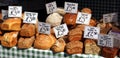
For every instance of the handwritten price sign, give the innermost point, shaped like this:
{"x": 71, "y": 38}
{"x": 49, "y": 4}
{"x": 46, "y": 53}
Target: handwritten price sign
{"x": 4, "y": 14}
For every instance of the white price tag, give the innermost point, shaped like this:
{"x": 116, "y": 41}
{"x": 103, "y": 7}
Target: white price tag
{"x": 60, "y": 30}
{"x": 111, "y": 17}
{"x": 4, "y": 14}
{"x": 30, "y": 17}
{"x": 91, "y": 32}
{"x": 105, "y": 40}
{"x": 14, "y": 11}
{"x": 51, "y": 7}
{"x": 83, "y": 18}
{"x": 70, "y": 7}
{"x": 44, "y": 28}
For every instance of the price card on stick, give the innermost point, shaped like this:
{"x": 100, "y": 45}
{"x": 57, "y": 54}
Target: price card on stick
{"x": 91, "y": 32}
{"x": 51, "y": 7}
{"x": 83, "y": 18}
{"x": 14, "y": 11}
{"x": 70, "y": 7}
{"x": 4, "y": 14}
{"x": 44, "y": 28}
{"x": 60, "y": 30}
{"x": 105, "y": 40}
{"x": 30, "y": 17}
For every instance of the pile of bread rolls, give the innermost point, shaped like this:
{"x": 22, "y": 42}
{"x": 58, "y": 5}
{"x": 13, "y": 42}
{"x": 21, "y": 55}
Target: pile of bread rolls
{"x": 13, "y": 32}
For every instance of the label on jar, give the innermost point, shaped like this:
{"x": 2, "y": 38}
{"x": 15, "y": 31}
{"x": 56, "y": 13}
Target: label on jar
{"x": 91, "y": 32}
{"x": 105, "y": 40}
{"x": 4, "y": 14}
{"x": 44, "y": 28}
{"x": 14, "y": 11}
{"x": 70, "y": 7}
{"x": 61, "y": 30}
{"x": 51, "y": 7}
{"x": 30, "y": 17}
{"x": 83, "y": 18}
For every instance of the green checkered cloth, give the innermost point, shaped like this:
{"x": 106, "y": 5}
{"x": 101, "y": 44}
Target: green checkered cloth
{"x": 37, "y": 53}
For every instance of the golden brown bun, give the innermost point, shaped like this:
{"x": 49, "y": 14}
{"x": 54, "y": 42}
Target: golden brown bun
{"x": 1, "y": 37}
{"x": 109, "y": 52}
{"x": 74, "y": 47}
{"x": 86, "y": 10}
{"x": 91, "y": 47}
{"x": 25, "y": 42}
{"x": 93, "y": 22}
{"x": 70, "y": 19}
{"x": 44, "y": 41}
{"x": 59, "y": 45}
{"x": 10, "y": 39}
{"x": 12, "y": 24}
{"x": 75, "y": 34}
{"x": 27, "y": 30}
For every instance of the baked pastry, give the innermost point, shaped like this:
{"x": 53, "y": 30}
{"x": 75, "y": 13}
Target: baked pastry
{"x": 109, "y": 52}
{"x": 70, "y": 18}
{"x": 9, "y": 39}
{"x": 11, "y": 24}
{"x": 61, "y": 11}
{"x": 91, "y": 47}
{"x": 27, "y": 30}
{"x": 54, "y": 19}
{"x": 82, "y": 27}
{"x": 44, "y": 41}
{"x": 24, "y": 43}
{"x": 86, "y": 10}
{"x": 93, "y": 22}
{"x": 1, "y": 37}
{"x": 59, "y": 46}
{"x": 74, "y": 47}
{"x": 75, "y": 34}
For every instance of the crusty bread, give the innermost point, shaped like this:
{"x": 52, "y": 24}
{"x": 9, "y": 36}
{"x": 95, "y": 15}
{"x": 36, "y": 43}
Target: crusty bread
{"x": 44, "y": 41}
{"x": 11, "y": 24}
{"x": 27, "y": 30}
{"x": 86, "y": 10}
{"x": 91, "y": 47}
{"x": 59, "y": 46}
{"x": 24, "y": 43}
{"x": 74, "y": 47}
{"x": 9, "y": 39}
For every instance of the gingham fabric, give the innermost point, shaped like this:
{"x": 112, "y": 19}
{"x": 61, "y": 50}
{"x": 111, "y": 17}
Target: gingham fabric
{"x": 35, "y": 53}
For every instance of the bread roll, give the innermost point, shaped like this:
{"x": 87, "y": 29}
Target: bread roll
{"x": 86, "y": 10}
{"x": 54, "y": 19}
{"x": 109, "y": 52}
{"x": 27, "y": 30}
{"x": 61, "y": 11}
{"x": 75, "y": 34}
{"x": 59, "y": 45}
{"x": 25, "y": 42}
{"x": 93, "y": 22}
{"x": 9, "y": 39}
{"x": 11, "y": 24}
{"x": 44, "y": 41}
{"x": 70, "y": 19}
{"x": 91, "y": 47}
{"x": 74, "y": 47}
{"x": 82, "y": 27}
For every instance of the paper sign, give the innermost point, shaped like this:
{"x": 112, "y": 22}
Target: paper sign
{"x": 91, "y": 32}
{"x": 44, "y": 28}
{"x": 83, "y": 18}
{"x": 105, "y": 40}
{"x": 30, "y": 17}
{"x": 70, "y": 7}
{"x": 4, "y": 14}
{"x": 51, "y": 7}
{"x": 110, "y": 17}
{"x": 14, "y": 11}
{"x": 60, "y": 30}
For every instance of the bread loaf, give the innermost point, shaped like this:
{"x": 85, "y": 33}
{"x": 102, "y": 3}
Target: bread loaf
{"x": 27, "y": 30}
{"x": 11, "y": 24}
{"x": 74, "y": 47}
{"x": 9, "y": 39}
{"x": 24, "y": 43}
{"x": 91, "y": 47}
{"x": 59, "y": 46}
{"x": 44, "y": 41}
{"x": 86, "y": 10}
